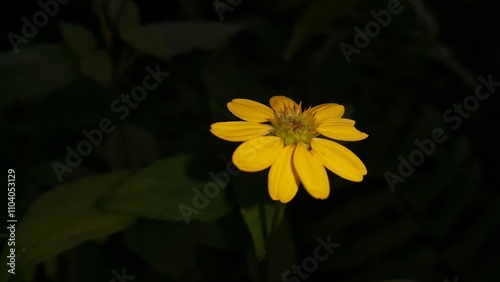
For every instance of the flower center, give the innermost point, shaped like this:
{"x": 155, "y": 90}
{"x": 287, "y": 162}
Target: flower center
{"x": 295, "y": 128}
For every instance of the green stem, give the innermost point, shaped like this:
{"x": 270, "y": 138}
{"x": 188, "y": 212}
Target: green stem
{"x": 276, "y": 216}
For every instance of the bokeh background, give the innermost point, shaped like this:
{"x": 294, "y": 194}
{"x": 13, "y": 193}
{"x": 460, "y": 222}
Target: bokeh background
{"x": 116, "y": 212}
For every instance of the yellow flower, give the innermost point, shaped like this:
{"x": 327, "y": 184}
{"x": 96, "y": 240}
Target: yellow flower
{"x": 287, "y": 139}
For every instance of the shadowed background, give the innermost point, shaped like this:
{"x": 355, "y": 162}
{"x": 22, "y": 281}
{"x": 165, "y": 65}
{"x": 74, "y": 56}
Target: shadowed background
{"x": 114, "y": 208}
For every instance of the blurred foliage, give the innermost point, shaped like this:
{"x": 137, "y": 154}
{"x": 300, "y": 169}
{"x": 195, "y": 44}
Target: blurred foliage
{"x": 120, "y": 206}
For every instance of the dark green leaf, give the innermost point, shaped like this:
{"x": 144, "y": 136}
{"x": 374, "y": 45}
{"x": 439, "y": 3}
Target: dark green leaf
{"x": 78, "y": 38}
{"x": 165, "y": 40}
{"x": 353, "y": 213}
{"x": 124, "y": 14}
{"x": 282, "y": 253}
{"x": 130, "y": 147}
{"x": 257, "y": 209}
{"x": 226, "y": 82}
{"x": 374, "y": 243}
{"x": 36, "y": 70}
{"x": 164, "y": 191}
{"x": 317, "y": 15}
{"x": 67, "y": 216}
{"x": 98, "y": 66}
{"x": 167, "y": 247}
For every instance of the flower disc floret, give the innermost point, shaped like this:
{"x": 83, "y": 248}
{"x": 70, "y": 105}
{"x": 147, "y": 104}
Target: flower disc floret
{"x": 295, "y": 128}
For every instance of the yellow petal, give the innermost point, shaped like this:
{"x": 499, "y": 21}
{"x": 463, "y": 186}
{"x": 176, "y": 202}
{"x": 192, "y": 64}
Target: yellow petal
{"x": 339, "y": 159}
{"x": 238, "y": 131}
{"x": 341, "y": 129}
{"x": 326, "y": 112}
{"x": 311, "y": 172}
{"x": 250, "y": 110}
{"x": 283, "y": 182}
{"x": 258, "y": 154}
{"x": 282, "y": 104}
{"x": 337, "y": 121}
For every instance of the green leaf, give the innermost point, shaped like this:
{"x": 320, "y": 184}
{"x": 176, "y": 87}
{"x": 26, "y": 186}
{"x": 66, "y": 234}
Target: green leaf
{"x": 353, "y": 212}
{"x": 130, "y": 146}
{"x": 78, "y": 38}
{"x": 445, "y": 173}
{"x": 282, "y": 253}
{"x": 99, "y": 67}
{"x": 257, "y": 209}
{"x": 453, "y": 205}
{"x": 316, "y": 17}
{"x": 210, "y": 234}
{"x": 67, "y": 216}
{"x": 164, "y": 40}
{"x": 168, "y": 247}
{"x": 124, "y": 14}
{"x": 418, "y": 260}
{"x": 374, "y": 244}
{"x": 468, "y": 242}
{"x": 254, "y": 216}
{"x": 225, "y": 81}
{"x": 105, "y": 30}
{"x": 36, "y": 70}
{"x": 164, "y": 190}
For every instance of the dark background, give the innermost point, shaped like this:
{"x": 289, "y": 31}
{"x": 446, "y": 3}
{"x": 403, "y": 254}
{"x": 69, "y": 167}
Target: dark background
{"x": 118, "y": 208}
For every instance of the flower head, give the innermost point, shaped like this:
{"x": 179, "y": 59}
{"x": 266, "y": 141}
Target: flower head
{"x": 291, "y": 141}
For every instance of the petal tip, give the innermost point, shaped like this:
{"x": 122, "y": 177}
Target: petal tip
{"x": 319, "y": 195}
